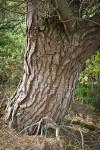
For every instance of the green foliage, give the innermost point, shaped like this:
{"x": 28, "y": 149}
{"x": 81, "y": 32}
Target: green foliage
{"x": 12, "y": 44}
{"x": 11, "y": 57}
{"x": 88, "y": 87}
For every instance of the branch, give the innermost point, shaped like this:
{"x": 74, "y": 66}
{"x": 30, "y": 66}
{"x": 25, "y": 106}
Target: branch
{"x": 96, "y": 18}
{"x": 65, "y": 13}
{"x": 83, "y": 124}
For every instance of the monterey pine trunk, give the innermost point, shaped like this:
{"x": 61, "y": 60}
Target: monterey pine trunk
{"x": 52, "y": 63}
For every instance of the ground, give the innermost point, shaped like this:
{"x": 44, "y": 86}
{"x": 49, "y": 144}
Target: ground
{"x": 80, "y": 130}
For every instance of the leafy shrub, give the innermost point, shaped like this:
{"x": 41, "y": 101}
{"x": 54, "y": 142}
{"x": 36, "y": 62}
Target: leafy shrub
{"x": 88, "y": 88}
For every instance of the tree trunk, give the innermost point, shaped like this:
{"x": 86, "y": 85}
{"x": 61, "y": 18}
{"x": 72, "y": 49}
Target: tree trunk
{"x": 52, "y": 63}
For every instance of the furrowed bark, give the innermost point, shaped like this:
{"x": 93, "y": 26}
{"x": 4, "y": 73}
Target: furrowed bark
{"x": 51, "y": 68}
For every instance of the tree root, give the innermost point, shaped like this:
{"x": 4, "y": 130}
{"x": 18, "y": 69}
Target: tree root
{"x": 49, "y": 123}
{"x": 46, "y": 123}
{"x": 42, "y": 127}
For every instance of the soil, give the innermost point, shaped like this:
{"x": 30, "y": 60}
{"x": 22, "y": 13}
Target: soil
{"x": 80, "y": 130}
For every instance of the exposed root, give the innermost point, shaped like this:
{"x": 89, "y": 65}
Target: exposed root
{"x": 41, "y": 127}
{"x": 49, "y": 124}
{"x": 82, "y": 139}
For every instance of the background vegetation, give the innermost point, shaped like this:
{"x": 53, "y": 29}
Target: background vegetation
{"x": 88, "y": 87}
{"x": 12, "y": 45}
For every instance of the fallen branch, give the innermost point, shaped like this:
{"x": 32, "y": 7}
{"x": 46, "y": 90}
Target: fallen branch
{"x": 83, "y": 124}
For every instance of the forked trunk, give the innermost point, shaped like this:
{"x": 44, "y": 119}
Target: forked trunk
{"x": 51, "y": 66}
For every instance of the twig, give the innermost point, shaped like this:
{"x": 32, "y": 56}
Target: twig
{"x": 39, "y": 125}
{"x": 82, "y": 139}
{"x": 92, "y": 141}
{"x": 84, "y": 19}
{"x": 80, "y": 9}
